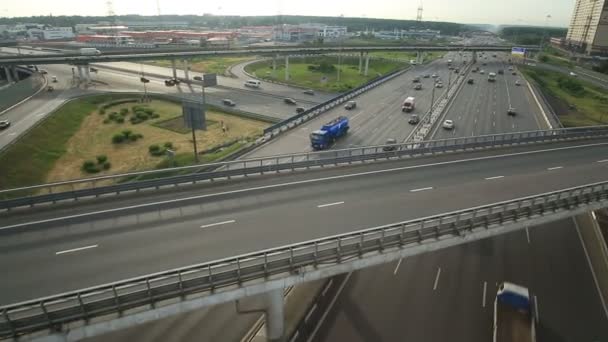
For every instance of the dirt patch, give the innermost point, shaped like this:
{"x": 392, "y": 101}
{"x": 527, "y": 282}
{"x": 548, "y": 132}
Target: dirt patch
{"x": 95, "y": 138}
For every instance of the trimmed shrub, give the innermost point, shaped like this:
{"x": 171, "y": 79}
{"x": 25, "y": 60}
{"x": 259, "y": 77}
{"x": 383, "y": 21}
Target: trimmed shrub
{"x": 148, "y": 111}
{"x": 120, "y": 120}
{"x": 106, "y": 165}
{"x": 155, "y": 116}
{"x": 106, "y": 121}
{"x": 135, "y": 120}
{"x": 124, "y": 111}
{"x": 139, "y": 135}
{"x": 118, "y": 138}
{"x": 126, "y": 133}
{"x": 102, "y": 159}
{"x": 89, "y": 166}
{"x": 102, "y": 111}
{"x": 168, "y": 145}
{"x": 153, "y": 148}
{"x": 141, "y": 115}
{"x": 133, "y": 137}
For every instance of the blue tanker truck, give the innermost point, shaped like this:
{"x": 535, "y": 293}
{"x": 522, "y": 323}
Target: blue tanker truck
{"x": 328, "y": 134}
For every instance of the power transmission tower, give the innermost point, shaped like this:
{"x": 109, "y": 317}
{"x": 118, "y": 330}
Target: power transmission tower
{"x": 419, "y": 14}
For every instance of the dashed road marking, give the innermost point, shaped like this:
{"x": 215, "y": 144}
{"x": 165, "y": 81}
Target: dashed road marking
{"x": 217, "y": 224}
{"x": 422, "y": 189}
{"x": 329, "y": 204}
{"x": 76, "y": 249}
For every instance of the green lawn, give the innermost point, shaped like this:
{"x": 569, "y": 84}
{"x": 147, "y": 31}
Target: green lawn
{"x": 591, "y": 102}
{"x": 218, "y": 65}
{"x": 28, "y": 161}
{"x": 405, "y": 55}
{"x": 301, "y": 75}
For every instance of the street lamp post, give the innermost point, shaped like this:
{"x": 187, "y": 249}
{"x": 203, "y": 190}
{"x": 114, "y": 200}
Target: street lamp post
{"x": 200, "y": 79}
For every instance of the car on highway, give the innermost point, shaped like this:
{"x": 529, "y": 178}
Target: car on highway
{"x": 50, "y": 88}
{"x": 414, "y": 119}
{"x": 309, "y": 92}
{"x": 517, "y": 83}
{"x": 427, "y": 75}
{"x": 54, "y": 79}
{"x": 510, "y": 68}
{"x": 253, "y": 83}
{"x": 4, "y": 124}
{"x": 501, "y": 72}
{"x": 439, "y": 85}
{"x": 513, "y": 73}
{"x": 30, "y": 67}
{"x": 434, "y": 76}
{"x": 418, "y": 86}
{"x": 44, "y": 72}
{"x": 289, "y": 101}
{"x": 169, "y": 83}
{"x": 416, "y": 80}
{"x": 470, "y": 81}
{"x": 93, "y": 69}
{"x": 300, "y": 110}
{"x": 572, "y": 74}
{"x": 350, "y": 105}
{"x": 228, "y": 102}
{"x": 448, "y": 124}
{"x": 511, "y": 111}
{"x": 391, "y": 145}
{"x": 482, "y": 72}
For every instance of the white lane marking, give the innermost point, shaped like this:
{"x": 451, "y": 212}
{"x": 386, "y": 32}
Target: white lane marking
{"x": 11, "y": 134}
{"x": 513, "y": 126}
{"x": 493, "y": 123}
{"x": 437, "y": 278}
{"x": 397, "y": 268}
{"x": 593, "y": 214}
{"x": 217, "y": 224}
{"x": 329, "y": 204}
{"x": 422, "y": 189}
{"x": 485, "y": 289}
{"x": 555, "y": 168}
{"x": 308, "y": 181}
{"x": 40, "y": 114}
{"x": 597, "y": 284}
{"x": 475, "y": 120}
{"x": 75, "y": 249}
{"x": 536, "y": 309}
{"x": 528, "y": 235}
{"x": 495, "y": 177}
{"x": 602, "y": 161}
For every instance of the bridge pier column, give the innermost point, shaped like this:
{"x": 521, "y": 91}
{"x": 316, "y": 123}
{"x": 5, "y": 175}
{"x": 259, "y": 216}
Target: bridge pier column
{"x": 286, "y": 67}
{"x": 274, "y": 63}
{"x": 174, "y": 68}
{"x": 360, "y": 62}
{"x": 9, "y": 76}
{"x": 474, "y": 56}
{"x": 366, "y": 64}
{"x": 275, "y": 316}
{"x": 80, "y": 75}
{"x": 87, "y": 73}
{"x": 186, "y": 71}
{"x": 15, "y": 73}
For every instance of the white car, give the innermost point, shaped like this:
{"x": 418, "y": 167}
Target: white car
{"x": 439, "y": 85}
{"x": 482, "y": 72}
{"x": 572, "y": 74}
{"x": 517, "y": 83}
{"x": 448, "y": 124}
{"x": 434, "y": 76}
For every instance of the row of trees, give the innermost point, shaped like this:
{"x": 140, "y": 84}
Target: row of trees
{"x": 353, "y": 24}
{"x": 531, "y": 35}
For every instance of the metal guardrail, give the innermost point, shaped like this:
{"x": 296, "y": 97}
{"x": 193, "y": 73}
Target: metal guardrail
{"x": 51, "y": 313}
{"x": 315, "y": 111}
{"x": 54, "y": 192}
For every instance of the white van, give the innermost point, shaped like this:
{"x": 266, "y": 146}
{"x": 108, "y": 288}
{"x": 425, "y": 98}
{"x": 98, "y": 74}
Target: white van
{"x": 253, "y": 83}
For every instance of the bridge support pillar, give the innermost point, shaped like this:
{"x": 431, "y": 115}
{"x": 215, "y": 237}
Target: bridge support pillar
{"x": 474, "y": 56}
{"x": 87, "y": 73}
{"x": 15, "y": 74}
{"x": 174, "y": 68}
{"x": 360, "y": 62}
{"x": 286, "y": 67}
{"x": 186, "y": 70}
{"x": 8, "y": 74}
{"x": 274, "y": 63}
{"x": 366, "y": 64}
{"x": 80, "y": 75}
{"x": 275, "y": 316}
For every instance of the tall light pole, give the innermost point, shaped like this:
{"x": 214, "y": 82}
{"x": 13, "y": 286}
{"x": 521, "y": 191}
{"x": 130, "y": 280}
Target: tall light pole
{"x": 200, "y": 79}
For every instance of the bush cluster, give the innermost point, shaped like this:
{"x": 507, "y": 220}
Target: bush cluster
{"x": 141, "y": 114}
{"x": 90, "y": 166}
{"x": 324, "y": 67}
{"x": 157, "y": 151}
{"x": 571, "y": 86}
{"x": 126, "y": 136}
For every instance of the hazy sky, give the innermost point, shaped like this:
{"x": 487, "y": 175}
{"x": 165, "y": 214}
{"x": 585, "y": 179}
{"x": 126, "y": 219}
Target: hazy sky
{"x": 464, "y": 11}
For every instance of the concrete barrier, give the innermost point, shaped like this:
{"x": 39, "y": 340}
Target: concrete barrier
{"x": 20, "y": 91}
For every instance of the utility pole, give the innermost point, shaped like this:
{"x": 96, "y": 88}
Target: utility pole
{"x": 200, "y": 79}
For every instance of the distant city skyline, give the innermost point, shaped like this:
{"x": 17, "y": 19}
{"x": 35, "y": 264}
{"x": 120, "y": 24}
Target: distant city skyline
{"x": 513, "y": 12}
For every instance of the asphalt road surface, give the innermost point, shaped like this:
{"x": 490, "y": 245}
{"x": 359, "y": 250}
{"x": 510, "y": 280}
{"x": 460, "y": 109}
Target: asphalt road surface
{"x": 440, "y": 296}
{"x": 267, "y": 212}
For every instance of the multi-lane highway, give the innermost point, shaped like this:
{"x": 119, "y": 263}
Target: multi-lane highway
{"x": 455, "y": 288}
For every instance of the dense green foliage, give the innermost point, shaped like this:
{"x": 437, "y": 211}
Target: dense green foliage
{"x": 531, "y": 35}
{"x": 353, "y": 24}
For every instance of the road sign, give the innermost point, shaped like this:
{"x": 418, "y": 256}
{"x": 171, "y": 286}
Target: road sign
{"x": 209, "y": 80}
{"x": 194, "y": 115}
{"x": 517, "y": 51}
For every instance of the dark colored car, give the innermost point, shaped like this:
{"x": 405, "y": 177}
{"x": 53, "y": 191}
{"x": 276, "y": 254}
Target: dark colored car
{"x": 414, "y": 119}
{"x": 169, "y": 83}
{"x": 511, "y": 111}
{"x": 391, "y": 145}
{"x": 350, "y": 105}
{"x": 309, "y": 92}
{"x": 300, "y": 110}
{"x": 470, "y": 81}
{"x": 289, "y": 101}
{"x": 4, "y": 124}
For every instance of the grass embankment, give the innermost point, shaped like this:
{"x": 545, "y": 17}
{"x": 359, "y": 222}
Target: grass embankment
{"x": 321, "y": 72}
{"x": 217, "y": 65}
{"x": 428, "y": 57}
{"x": 79, "y": 131}
{"x": 582, "y": 103}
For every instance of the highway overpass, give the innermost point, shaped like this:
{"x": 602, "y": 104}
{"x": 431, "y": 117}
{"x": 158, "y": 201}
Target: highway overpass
{"x": 287, "y": 210}
{"x": 139, "y": 55}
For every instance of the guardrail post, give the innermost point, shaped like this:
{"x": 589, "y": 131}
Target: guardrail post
{"x": 46, "y": 315}
{"x": 339, "y": 250}
{"x": 238, "y": 270}
{"x": 292, "y": 161}
{"x": 277, "y": 164}
{"x": 9, "y": 322}
{"x": 150, "y": 293}
{"x": 228, "y": 169}
{"x": 211, "y": 279}
{"x": 180, "y": 283}
{"x": 84, "y": 311}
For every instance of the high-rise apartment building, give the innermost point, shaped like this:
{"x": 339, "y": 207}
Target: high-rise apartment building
{"x": 588, "y": 31}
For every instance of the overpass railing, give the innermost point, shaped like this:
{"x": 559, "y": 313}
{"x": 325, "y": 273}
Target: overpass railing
{"x": 155, "y": 179}
{"x": 54, "y": 312}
